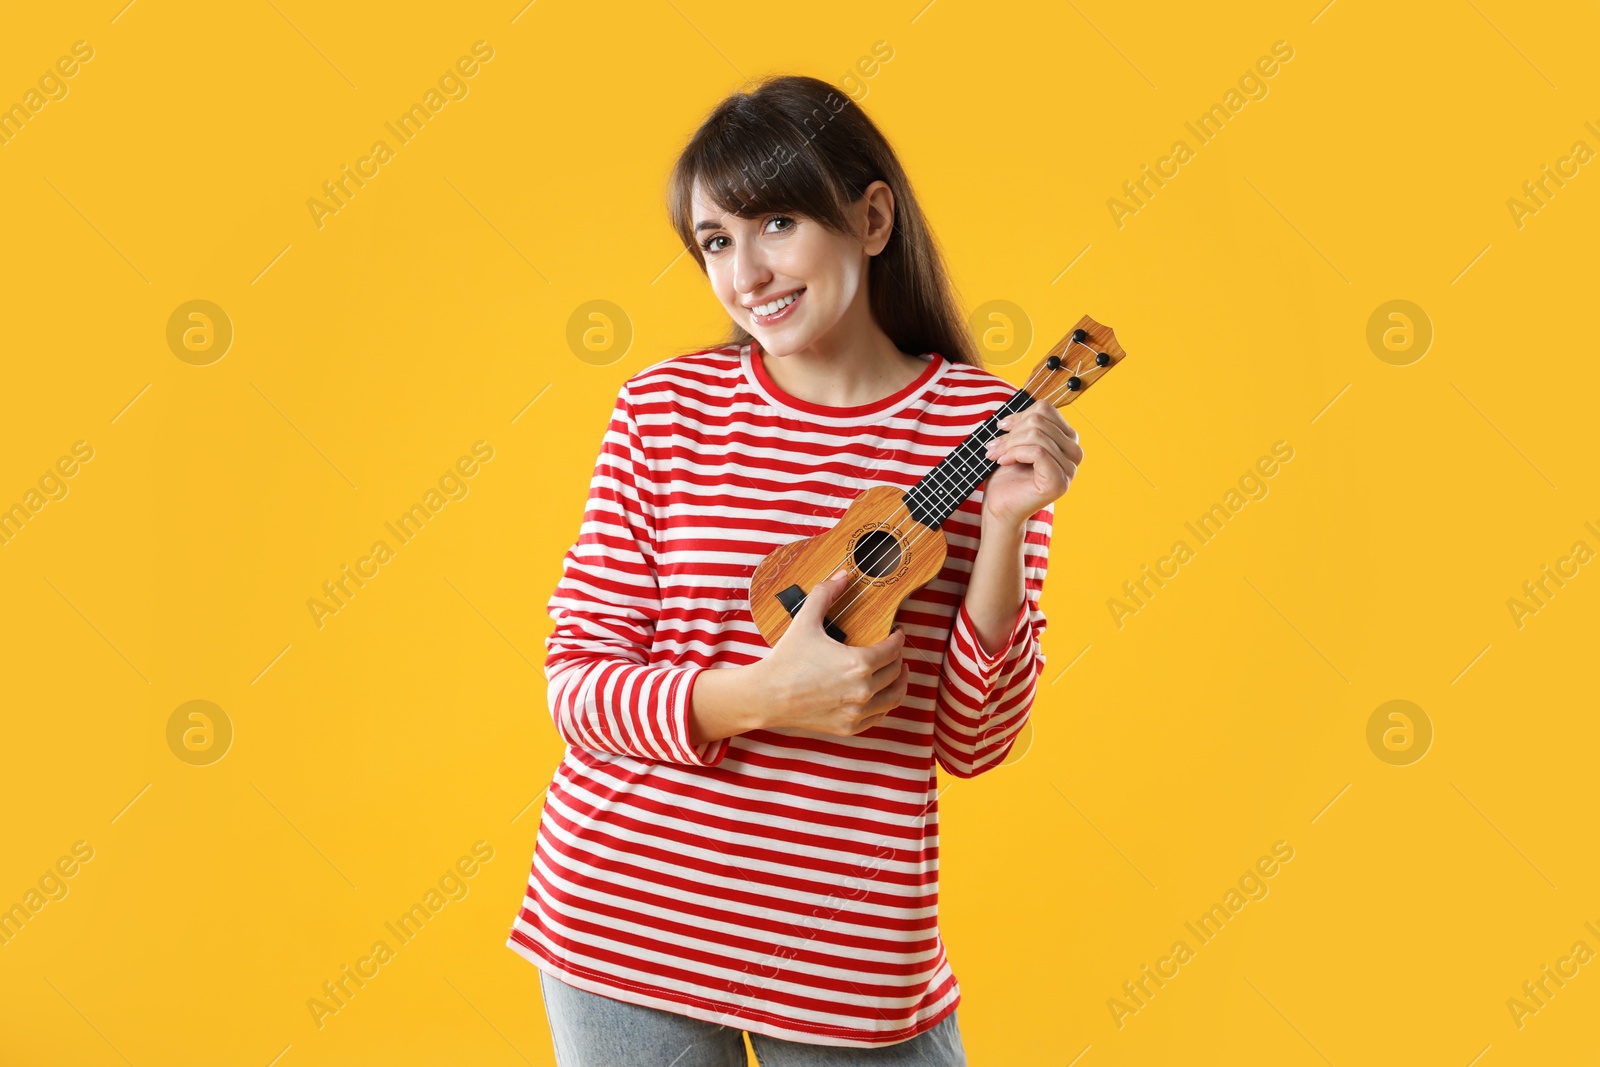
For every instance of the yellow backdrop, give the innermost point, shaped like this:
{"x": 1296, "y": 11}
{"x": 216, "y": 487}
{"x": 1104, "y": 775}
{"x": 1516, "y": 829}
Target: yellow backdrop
{"x": 1349, "y": 249}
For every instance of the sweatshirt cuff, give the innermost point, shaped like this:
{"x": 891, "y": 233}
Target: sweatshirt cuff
{"x": 989, "y": 662}
{"x": 707, "y": 755}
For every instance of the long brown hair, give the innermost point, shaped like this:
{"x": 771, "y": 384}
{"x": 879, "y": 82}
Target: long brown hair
{"x": 798, "y": 145}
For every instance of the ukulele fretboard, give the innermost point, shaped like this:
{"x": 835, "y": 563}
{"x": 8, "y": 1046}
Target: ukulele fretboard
{"x": 940, "y": 492}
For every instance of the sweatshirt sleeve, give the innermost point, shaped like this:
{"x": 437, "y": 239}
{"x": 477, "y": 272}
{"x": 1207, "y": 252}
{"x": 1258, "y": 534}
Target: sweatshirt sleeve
{"x": 604, "y": 693}
{"x": 985, "y": 696}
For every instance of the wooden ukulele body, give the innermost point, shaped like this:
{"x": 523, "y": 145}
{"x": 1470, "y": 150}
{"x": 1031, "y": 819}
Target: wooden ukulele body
{"x": 888, "y": 553}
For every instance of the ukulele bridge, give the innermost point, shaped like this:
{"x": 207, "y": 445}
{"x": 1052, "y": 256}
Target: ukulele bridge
{"x": 791, "y": 599}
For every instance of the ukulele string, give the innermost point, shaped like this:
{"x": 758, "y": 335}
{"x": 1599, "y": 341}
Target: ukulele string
{"x": 1052, "y": 396}
{"x": 918, "y": 535}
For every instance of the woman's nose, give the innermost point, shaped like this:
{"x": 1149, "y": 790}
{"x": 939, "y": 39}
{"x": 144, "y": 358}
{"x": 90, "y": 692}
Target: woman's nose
{"x": 750, "y": 271}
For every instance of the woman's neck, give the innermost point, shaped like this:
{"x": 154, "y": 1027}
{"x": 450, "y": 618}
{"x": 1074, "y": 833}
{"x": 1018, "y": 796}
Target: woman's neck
{"x": 847, "y": 374}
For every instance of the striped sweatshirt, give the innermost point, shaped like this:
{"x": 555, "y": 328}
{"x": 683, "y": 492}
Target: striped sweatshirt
{"x": 779, "y": 881}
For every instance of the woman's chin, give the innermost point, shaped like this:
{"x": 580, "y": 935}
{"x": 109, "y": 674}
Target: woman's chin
{"x": 787, "y": 338}
{"x": 778, "y": 343}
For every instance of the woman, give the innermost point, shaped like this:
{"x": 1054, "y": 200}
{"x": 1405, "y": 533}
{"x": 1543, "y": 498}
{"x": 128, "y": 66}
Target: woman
{"x": 743, "y": 838}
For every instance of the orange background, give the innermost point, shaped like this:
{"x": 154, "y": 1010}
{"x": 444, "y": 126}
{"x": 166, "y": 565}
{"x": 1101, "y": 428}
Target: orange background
{"x": 1440, "y": 461}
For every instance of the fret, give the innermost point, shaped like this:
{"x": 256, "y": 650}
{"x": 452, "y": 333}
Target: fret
{"x": 941, "y": 491}
{"x": 1074, "y": 363}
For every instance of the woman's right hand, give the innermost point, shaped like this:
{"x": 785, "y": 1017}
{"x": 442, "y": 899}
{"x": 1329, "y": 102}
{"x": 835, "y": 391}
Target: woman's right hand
{"x": 813, "y": 682}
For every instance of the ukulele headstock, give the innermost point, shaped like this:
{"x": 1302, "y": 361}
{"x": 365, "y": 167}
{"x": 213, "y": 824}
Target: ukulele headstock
{"x": 1075, "y": 362}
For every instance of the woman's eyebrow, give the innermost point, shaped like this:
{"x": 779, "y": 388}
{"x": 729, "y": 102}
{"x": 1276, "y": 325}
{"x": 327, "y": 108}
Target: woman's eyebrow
{"x": 707, "y": 226}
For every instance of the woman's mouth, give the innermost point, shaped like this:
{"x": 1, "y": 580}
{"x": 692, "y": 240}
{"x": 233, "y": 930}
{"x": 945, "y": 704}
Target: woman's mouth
{"x": 776, "y": 311}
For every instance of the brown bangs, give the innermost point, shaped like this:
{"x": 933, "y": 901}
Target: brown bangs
{"x": 797, "y": 145}
{"x": 755, "y": 160}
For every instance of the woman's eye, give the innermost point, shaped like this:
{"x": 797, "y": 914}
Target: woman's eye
{"x": 783, "y": 224}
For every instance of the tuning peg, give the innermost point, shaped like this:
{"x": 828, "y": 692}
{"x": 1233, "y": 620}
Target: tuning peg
{"x": 1074, "y": 383}
{"x": 1054, "y": 363}
{"x": 1080, "y": 336}
{"x": 1102, "y": 359}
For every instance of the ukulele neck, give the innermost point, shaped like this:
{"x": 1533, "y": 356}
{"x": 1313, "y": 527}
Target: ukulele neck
{"x": 940, "y": 492}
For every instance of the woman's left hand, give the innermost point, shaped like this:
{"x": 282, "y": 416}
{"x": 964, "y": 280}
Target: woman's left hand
{"x": 1038, "y": 456}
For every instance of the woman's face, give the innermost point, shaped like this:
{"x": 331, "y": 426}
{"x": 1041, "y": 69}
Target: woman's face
{"x": 787, "y": 279}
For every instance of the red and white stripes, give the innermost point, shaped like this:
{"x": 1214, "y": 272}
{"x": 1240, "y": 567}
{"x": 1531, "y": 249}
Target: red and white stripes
{"x": 777, "y": 881}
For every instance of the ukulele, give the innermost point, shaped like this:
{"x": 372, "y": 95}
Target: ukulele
{"x": 890, "y": 539}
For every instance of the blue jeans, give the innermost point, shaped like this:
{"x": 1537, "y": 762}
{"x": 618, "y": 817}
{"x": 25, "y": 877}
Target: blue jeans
{"x": 590, "y": 1030}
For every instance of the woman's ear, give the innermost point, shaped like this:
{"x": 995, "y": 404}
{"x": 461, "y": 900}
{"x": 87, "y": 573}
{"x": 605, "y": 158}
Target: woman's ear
{"x": 878, "y": 202}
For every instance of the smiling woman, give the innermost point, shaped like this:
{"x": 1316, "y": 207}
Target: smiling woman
{"x": 744, "y": 837}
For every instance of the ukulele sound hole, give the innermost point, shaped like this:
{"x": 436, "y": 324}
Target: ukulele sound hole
{"x": 877, "y": 554}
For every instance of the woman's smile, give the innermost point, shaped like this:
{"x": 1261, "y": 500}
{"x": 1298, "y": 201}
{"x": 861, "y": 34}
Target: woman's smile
{"x": 775, "y": 311}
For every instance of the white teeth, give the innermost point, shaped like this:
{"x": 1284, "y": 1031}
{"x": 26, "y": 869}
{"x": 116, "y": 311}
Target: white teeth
{"x": 777, "y": 305}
